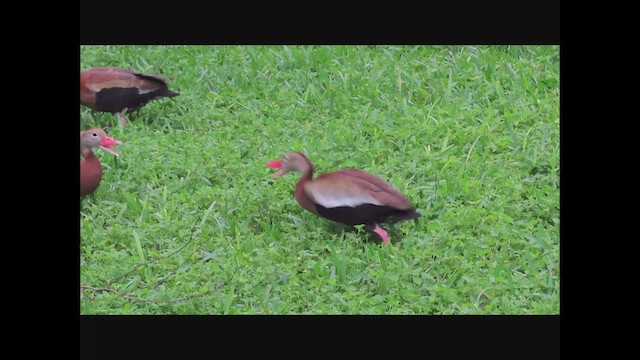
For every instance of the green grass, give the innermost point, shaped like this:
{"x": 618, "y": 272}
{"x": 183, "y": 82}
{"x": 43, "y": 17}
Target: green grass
{"x": 189, "y": 221}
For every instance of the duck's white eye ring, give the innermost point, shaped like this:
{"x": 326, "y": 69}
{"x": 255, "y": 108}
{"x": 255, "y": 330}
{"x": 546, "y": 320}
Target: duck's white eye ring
{"x": 94, "y": 134}
{"x": 286, "y": 157}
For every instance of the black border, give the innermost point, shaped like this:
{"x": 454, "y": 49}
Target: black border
{"x": 438, "y": 337}
{"x": 191, "y": 22}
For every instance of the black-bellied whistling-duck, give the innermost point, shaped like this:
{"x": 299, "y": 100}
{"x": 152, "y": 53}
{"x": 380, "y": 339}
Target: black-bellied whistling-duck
{"x": 90, "y": 167}
{"x": 348, "y": 196}
{"x": 114, "y": 90}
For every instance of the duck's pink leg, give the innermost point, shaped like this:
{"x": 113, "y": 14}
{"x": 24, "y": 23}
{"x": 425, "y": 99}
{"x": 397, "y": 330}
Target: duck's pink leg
{"x": 383, "y": 234}
{"x": 121, "y": 117}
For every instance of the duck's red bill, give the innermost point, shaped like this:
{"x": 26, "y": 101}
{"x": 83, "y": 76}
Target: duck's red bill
{"x": 275, "y": 164}
{"x": 107, "y": 143}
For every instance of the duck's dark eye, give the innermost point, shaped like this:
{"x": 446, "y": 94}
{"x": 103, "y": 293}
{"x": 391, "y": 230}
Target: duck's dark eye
{"x": 94, "y": 134}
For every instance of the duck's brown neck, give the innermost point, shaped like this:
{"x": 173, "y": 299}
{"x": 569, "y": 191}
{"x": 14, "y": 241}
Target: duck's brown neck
{"x": 301, "y": 196}
{"x": 87, "y": 153}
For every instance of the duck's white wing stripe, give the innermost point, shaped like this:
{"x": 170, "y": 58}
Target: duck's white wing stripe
{"x": 337, "y": 199}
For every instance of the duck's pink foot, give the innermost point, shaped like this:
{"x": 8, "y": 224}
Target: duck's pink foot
{"x": 383, "y": 234}
{"x": 122, "y": 119}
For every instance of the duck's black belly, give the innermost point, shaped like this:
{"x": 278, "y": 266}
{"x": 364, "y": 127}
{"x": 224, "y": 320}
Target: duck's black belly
{"x": 117, "y": 99}
{"x": 362, "y": 214}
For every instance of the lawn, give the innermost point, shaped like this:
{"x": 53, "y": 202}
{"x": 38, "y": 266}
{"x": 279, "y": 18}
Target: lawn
{"x": 188, "y": 220}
